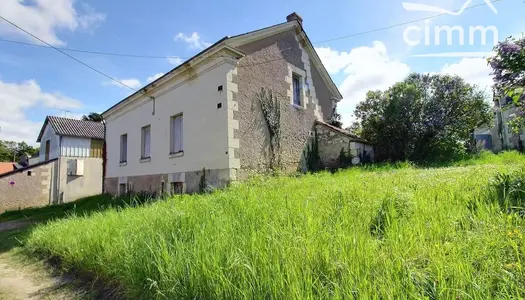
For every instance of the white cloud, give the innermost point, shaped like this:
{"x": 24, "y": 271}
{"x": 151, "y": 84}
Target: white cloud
{"x": 44, "y": 18}
{"x": 175, "y": 60}
{"x": 333, "y": 60}
{"x": 16, "y": 98}
{"x": 154, "y": 77}
{"x": 193, "y": 40}
{"x": 473, "y": 70}
{"x": 365, "y": 68}
{"x": 130, "y": 82}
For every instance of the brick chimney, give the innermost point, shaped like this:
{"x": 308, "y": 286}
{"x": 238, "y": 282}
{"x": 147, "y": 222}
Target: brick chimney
{"x": 293, "y": 17}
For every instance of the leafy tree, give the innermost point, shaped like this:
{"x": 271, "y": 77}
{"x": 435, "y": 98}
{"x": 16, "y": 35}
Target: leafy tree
{"x": 11, "y": 151}
{"x": 424, "y": 118}
{"x": 336, "y": 120}
{"x": 95, "y": 117}
{"x": 508, "y": 65}
{"x": 355, "y": 128}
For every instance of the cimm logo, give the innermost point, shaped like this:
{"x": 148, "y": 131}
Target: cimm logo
{"x": 455, "y": 35}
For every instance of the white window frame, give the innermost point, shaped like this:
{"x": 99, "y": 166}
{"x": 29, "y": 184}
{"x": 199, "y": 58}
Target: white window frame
{"x": 145, "y": 142}
{"x": 123, "y": 148}
{"x": 300, "y": 74}
{"x": 296, "y": 90}
{"x": 176, "y": 148}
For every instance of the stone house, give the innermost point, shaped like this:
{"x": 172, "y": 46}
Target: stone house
{"x": 499, "y": 136}
{"x": 245, "y": 104}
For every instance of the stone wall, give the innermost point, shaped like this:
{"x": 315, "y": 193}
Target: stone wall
{"x": 152, "y": 183}
{"x": 29, "y": 187}
{"x": 332, "y": 140}
{"x": 269, "y": 63}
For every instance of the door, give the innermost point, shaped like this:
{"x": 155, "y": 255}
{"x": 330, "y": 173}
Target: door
{"x": 48, "y": 145}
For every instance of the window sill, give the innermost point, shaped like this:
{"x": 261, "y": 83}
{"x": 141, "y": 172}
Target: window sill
{"x": 177, "y": 154}
{"x": 123, "y": 163}
{"x": 298, "y": 106}
{"x": 145, "y": 159}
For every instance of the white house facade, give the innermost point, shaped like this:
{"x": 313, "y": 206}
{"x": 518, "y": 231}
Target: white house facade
{"x": 202, "y": 124}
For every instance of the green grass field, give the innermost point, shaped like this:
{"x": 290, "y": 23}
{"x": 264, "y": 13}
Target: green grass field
{"x": 378, "y": 232}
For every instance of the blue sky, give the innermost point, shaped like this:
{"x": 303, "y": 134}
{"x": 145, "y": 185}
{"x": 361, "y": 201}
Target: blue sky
{"x": 35, "y": 82}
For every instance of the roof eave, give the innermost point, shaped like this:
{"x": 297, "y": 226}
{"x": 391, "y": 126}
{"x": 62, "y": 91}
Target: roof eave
{"x": 218, "y": 46}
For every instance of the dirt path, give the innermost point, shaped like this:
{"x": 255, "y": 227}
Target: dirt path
{"x": 24, "y": 278}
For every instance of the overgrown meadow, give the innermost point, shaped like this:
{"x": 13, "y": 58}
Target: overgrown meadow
{"x": 379, "y": 232}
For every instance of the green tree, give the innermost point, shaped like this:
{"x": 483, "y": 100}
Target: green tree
{"x": 95, "y": 117}
{"x": 423, "y": 118}
{"x": 508, "y": 65}
{"x": 11, "y": 151}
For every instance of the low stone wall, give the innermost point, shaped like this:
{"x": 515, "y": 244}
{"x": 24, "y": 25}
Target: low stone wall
{"x": 28, "y": 187}
{"x": 191, "y": 181}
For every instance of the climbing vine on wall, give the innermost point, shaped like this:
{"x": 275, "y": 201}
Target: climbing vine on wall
{"x": 271, "y": 109}
{"x": 313, "y": 159}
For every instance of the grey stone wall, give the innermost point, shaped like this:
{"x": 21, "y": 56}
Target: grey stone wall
{"x": 266, "y": 65}
{"x": 28, "y": 188}
{"x": 219, "y": 178}
{"x": 332, "y": 141}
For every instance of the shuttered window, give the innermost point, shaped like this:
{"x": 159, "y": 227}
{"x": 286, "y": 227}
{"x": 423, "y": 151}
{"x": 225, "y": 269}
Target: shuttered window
{"x": 176, "y": 134}
{"x": 145, "y": 142}
{"x": 123, "y": 148}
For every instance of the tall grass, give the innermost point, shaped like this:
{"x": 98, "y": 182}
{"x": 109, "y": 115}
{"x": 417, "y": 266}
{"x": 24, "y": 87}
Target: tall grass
{"x": 388, "y": 233}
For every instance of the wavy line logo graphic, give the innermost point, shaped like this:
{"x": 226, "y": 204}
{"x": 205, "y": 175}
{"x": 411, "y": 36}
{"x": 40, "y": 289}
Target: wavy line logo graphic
{"x": 429, "y": 8}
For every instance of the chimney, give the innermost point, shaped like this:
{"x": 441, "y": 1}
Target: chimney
{"x": 294, "y": 17}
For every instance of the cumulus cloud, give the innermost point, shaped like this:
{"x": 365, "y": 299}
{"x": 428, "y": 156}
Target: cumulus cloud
{"x": 473, "y": 70}
{"x": 365, "y": 68}
{"x": 130, "y": 82}
{"x": 175, "y": 60}
{"x": 193, "y": 40}
{"x": 154, "y": 77}
{"x": 44, "y": 18}
{"x": 16, "y": 98}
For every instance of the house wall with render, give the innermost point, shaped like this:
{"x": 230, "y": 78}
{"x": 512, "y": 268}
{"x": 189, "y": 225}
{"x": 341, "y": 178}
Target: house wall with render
{"x": 54, "y": 142}
{"x": 270, "y": 63}
{"x": 199, "y": 93}
{"x": 74, "y": 187}
{"x": 28, "y": 187}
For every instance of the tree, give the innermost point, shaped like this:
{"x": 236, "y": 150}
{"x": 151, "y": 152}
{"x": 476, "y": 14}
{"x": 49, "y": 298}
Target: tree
{"x": 423, "y": 118}
{"x": 336, "y": 120}
{"x": 508, "y": 65}
{"x": 11, "y": 151}
{"x": 95, "y": 117}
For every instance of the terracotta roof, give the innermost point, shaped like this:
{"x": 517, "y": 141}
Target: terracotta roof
{"x": 27, "y": 168}
{"x": 6, "y": 167}
{"x": 345, "y": 132}
{"x": 72, "y": 127}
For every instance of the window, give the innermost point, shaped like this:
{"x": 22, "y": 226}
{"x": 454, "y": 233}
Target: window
{"x": 145, "y": 142}
{"x": 296, "y": 90}
{"x": 48, "y": 147}
{"x": 122, "y": 189}
{"x": 176, "y": 134}
{"x": 176, "y": 188}
{"x": 123, "y": 148}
